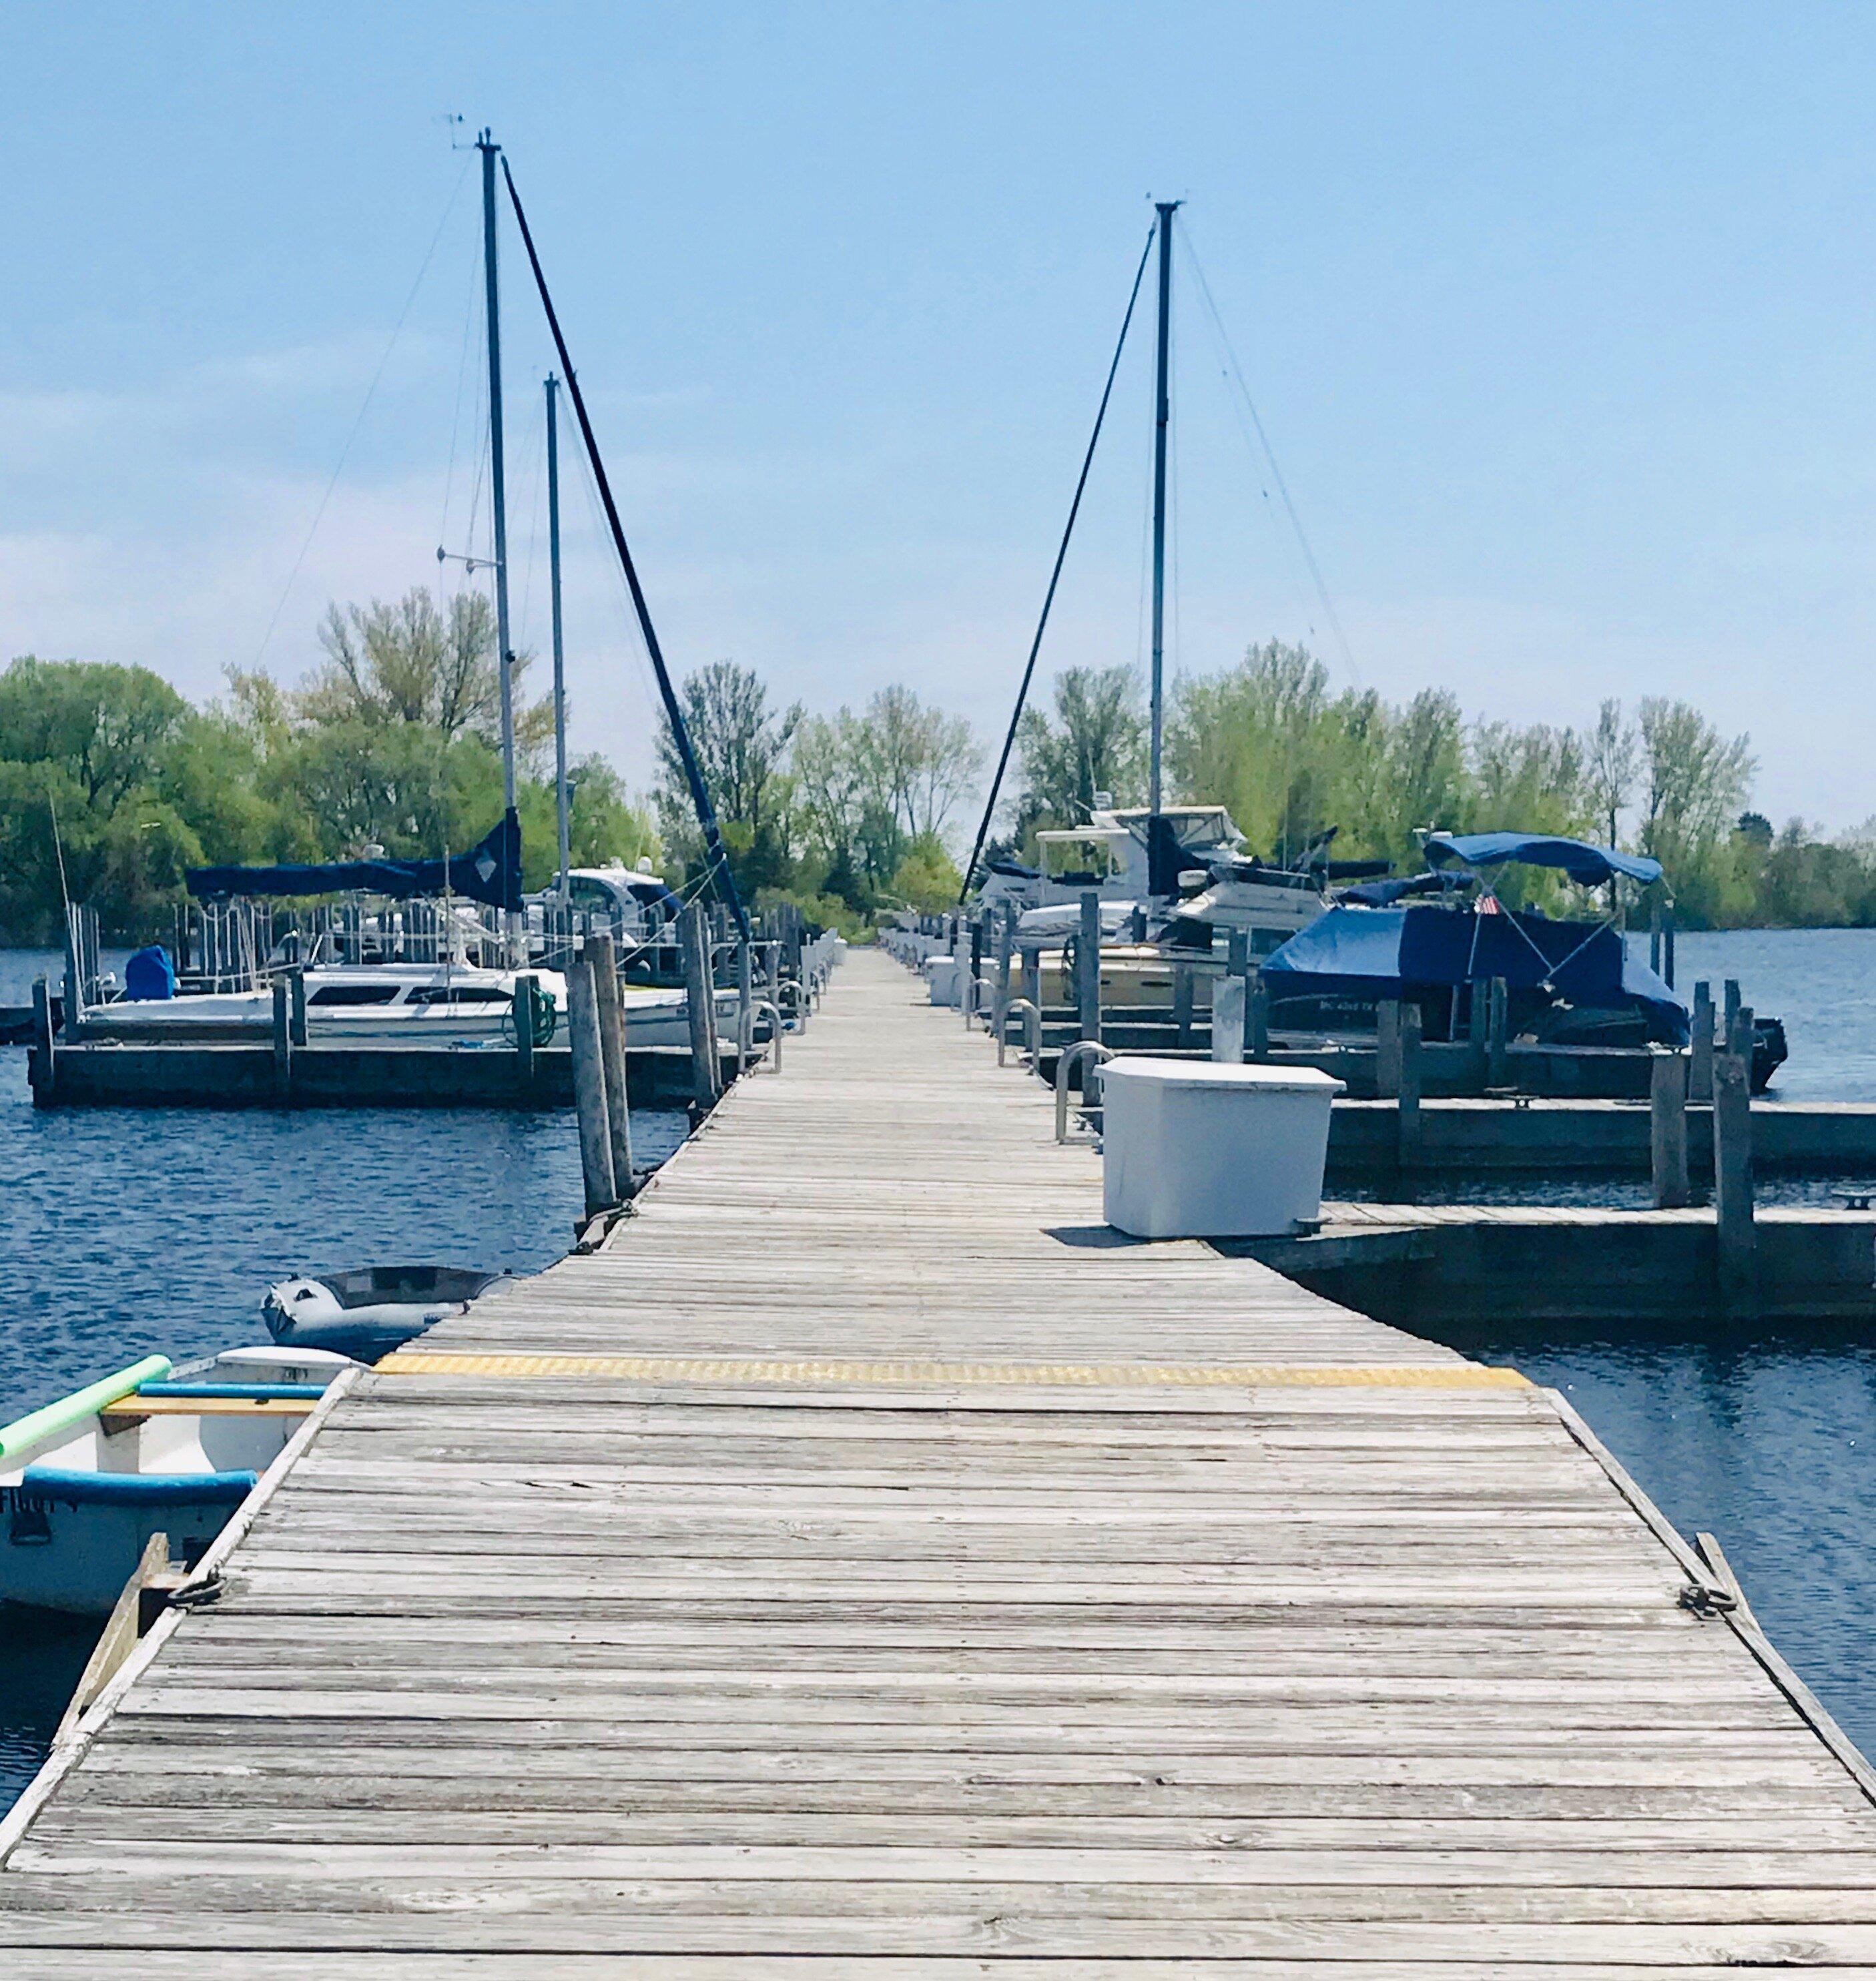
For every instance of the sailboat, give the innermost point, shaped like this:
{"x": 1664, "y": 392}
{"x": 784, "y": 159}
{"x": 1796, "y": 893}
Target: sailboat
{"x": 1142, "y": 861}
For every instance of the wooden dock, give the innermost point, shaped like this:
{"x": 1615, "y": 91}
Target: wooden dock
{"x": 867, "y": 1564}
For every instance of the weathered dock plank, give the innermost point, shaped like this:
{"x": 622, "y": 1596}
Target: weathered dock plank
{"x": 868, "y": 1564}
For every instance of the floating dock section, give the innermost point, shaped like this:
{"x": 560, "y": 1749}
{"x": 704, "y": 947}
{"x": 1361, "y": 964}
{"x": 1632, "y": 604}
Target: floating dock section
{"x": 868, "y": 1564}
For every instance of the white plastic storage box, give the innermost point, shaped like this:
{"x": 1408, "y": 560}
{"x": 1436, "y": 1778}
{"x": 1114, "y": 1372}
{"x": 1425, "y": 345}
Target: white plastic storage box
{"x": 942, "y": 979}
{"x": 1194, "y": 1150}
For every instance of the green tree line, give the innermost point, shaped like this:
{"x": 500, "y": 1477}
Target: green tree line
{"x": 107, "y": 773}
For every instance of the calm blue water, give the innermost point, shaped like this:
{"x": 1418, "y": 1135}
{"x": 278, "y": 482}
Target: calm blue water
{"x": 124, "y": 1232}
{"x": 129, "y": 1232}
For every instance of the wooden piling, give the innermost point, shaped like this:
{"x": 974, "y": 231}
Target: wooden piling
{"x": 1387, "y": 1048}
{"x": 1498, "y": 1033}
{"x": 1257, "y": 1003}
{"x": 1667, "y": 1129}
{"x": 602, "y": 955}
{"x": 1087, "y": 968}
{"x": 1006, "y": 943}
{"x": 1410, "y": 1072}
{"x": 296, "y": 992}
{"x": 1228, "y": 1020}
{"x": 1732, "y": 1170}
{"x": 1699, "y": 1063}
{"x": 283, "y": 1043}
{"x": 1478, "y": 1003}
{"x": 45, "y": 1082}
{"x": 746, "y": 1006}
{"x": 697, "y": 999}
{"x": 525, "y": 1040}
{"x": 1032, "y": 978}
{"x": 589, "y": 1087}
{"x": 1182, "y": 988}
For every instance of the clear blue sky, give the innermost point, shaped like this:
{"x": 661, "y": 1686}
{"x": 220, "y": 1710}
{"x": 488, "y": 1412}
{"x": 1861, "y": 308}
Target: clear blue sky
{"x": 1559, "y": 317}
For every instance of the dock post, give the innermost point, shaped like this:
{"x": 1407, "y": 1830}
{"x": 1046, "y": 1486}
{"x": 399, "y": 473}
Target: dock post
{"x": 1700, "y": 1064}
{"x": 73, "y": 1024}
{"x": 1087, "y": 968}
{"x": 1477, "y": 1011}
{"x": 1668, "y": 1128}
{"x": 1182, "y": 1004}
{"x": 1031, "y": 980}
{"x": 1732, "y": 1170}
{"x": 523, "y": 1007}
{"x": 1411, "y": 1069}
{"x": 605, "y": 960}
{"x": 697, "y": 999}
{"x": 1655, "y": 939}
{"x": 1257, "y": 1000}
{"x": 1228, "y": 1020}
{"x": 296, "y": 991}
{"x": 589, "y": 1087}
{"x": 44, "y": 1069}
{"x": 746, "y": 1008}
{"x": 1387, "y": 1048}
{"x": 1498, "y": 1033}
{"x": 283, "y": 1043}
{"x": 976, "y": 960}
{"x": 1668, "y": 945}
{"x": 1006, "y": 942}
{"x": 1729, "y": 1010}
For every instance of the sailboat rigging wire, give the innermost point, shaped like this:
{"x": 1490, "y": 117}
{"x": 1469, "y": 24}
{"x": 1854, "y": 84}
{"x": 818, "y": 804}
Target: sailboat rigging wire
{"x": 1054, "y": 577}
{"x": 717, "y": 859}
{"x": 1235, "y": 373}
{"x": 469, "y": 320}
{"x": 365, "y": 407}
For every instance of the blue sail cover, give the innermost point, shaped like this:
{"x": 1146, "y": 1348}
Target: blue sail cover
{"x": 489, "y": 872}
{"x": 1592, "y": 866}
{"x": 1387, "y": 952}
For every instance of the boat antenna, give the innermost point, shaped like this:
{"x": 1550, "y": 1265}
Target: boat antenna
{"x": 1055, "y": 578}
{"x": 716, "y": 859}
{"x": 1159, "y": 881}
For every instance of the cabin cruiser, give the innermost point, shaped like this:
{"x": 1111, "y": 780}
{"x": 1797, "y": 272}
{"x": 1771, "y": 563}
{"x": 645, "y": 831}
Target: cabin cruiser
{"x": 415, "y": 1004}
{"x": 1234, "y": 892}
{"x": 401, "y": 1005}
{"x": 1437, "y": 940}
{"x": 86, "y": 1481}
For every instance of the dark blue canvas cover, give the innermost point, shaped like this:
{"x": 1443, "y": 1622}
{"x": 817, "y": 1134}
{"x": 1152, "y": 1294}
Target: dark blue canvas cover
{"x": 149, "y": 976}
{"x": 1592, "y": 866}
{"x": 1386, "y": 952}
{"x": 489, "y": 872}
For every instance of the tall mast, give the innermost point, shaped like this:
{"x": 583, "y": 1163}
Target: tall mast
{"x": 1162, "y": 416}
{"x": 560, "y": 672}
{"x": 486, "y": 144}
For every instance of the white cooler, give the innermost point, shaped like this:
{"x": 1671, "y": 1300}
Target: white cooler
{"x": 942, "y": 979}
{"x": 1195, "y": 1150}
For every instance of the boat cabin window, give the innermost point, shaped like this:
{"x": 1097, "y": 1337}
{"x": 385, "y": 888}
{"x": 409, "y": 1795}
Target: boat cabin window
{"x": 1078, "y": 859}
{"x": 354, "y": 994}
{"x": 459, "y": 994}
{"x": 593, "y": 895}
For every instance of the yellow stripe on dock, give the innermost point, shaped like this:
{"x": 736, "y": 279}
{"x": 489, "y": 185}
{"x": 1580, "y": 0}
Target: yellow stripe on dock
{"x": 1121, "y": 1375}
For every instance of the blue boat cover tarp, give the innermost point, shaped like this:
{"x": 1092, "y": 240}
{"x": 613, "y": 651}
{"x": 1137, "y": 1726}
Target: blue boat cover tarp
{"x": 149, "y": 976}
{"x": 489, "y": 872}
{"x": 1592, "y": 866}
{"x": 1385, "y": 952}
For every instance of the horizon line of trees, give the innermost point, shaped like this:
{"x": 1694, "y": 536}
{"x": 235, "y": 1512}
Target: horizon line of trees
{"x": 109, "y": 773}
